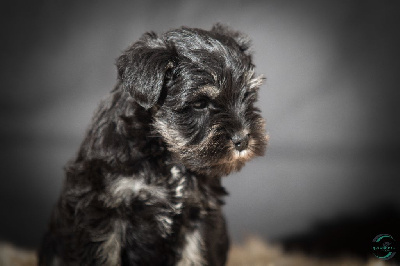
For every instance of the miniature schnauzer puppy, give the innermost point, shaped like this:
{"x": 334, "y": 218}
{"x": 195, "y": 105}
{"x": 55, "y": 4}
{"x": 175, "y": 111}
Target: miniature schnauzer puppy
{"x": 145, "y": 186}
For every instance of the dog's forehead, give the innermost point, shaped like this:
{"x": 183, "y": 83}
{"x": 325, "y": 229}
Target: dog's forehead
{"x": 202, "y": 46}
{"x": 227, "y": 84}
{"x": 187, "y": 39}
{"x": 211, "y": 65}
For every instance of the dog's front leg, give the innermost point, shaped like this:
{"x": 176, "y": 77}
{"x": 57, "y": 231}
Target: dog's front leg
{"x": 144, "y": 220}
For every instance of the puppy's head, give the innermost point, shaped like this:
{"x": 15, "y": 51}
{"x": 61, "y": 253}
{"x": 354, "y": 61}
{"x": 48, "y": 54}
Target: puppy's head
{"x": 201, "y": 88}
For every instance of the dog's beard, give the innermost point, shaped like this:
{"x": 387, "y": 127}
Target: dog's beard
{"x": 232, "y": 160}
{"x": 215, "y": 155}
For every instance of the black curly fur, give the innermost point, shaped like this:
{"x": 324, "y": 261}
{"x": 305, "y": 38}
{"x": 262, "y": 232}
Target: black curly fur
{"x": 145, "y": 186}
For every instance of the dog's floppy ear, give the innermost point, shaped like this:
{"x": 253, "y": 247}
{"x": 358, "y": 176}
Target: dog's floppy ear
{"x": 241, "y": 39}
{"x": 142, "y": 68}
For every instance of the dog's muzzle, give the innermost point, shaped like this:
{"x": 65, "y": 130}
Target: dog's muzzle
{"x": 241, "y": 141}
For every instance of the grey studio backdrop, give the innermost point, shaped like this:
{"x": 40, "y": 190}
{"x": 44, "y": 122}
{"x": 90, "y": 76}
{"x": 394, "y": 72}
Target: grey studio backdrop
{"x": 330, "y": 100}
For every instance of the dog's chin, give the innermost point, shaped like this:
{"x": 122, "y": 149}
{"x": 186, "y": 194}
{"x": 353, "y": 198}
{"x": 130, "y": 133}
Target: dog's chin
{"x": 244, "y": 155}
{"x": 235, "y": 160}
{"x": 231, "y": 160}
{"x": 216, "y": 155}
{"x": 218, "y": 170}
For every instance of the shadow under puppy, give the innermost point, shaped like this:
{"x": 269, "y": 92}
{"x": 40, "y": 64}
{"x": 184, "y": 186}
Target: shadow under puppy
{"x": 145, "y": 186}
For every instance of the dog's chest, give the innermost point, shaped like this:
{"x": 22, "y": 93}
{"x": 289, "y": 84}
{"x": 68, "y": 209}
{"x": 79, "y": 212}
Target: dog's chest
{"x": 193, "y": 201}
{"x": 177, "y": 204}
{"x": 189, "y": 200}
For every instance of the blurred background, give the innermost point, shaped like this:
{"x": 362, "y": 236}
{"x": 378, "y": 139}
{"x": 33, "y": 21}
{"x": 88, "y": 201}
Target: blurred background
{"x": 330, "y": 180}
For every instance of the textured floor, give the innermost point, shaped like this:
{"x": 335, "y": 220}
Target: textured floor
{"x": 254, "y": 252}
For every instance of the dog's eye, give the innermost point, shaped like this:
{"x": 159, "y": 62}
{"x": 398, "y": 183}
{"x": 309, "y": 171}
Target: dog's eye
{"x": 200, "y": 104}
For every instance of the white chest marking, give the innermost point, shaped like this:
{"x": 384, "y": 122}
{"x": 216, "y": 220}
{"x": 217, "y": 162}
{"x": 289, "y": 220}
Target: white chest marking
{"x": 192, "y": 254}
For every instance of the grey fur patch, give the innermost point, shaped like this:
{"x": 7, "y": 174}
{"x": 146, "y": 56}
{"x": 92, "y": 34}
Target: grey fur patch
{"x": 109, "y": 250}
{"x": 170, "y": 135}
{"x": 125, "y": 188}
{"x": 192, "y": 253}
{"x": 254, "y": 82}
{"x": 210, "y": 91}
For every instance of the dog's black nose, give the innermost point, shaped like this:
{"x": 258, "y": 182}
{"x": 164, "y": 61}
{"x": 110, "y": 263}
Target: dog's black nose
{"x": 241, "y": 141}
